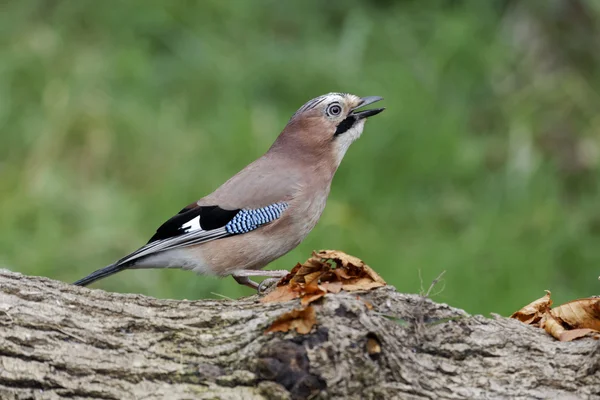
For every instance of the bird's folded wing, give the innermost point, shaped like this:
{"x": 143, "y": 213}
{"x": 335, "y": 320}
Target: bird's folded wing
{"x": 198, "y": 224}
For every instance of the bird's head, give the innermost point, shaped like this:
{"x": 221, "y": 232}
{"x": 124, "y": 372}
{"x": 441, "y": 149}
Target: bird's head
{"x": 329, "y": 124}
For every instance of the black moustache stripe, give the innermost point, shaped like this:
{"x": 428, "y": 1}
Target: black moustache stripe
{"x": 345, "y": 125}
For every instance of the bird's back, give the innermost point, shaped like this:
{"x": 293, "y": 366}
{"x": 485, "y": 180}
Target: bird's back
{"x": 268, "y": 180}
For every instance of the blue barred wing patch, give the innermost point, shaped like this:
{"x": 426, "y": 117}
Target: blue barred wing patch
{"x": 250, "y": 219}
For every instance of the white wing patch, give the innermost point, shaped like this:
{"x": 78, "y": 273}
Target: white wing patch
{"x": 192, "y": 225}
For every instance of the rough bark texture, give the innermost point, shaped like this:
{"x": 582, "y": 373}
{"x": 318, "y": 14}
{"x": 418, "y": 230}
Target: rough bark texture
{"x": 61, "y": 341}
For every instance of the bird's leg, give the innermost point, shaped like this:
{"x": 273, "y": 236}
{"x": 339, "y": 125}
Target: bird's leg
{"x": 244, "y": 280}
{"x": 280, "y": 273}
{"x": 242, "y": 277}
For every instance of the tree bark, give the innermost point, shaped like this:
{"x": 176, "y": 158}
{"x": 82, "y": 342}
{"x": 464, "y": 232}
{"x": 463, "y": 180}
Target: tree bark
{"x": 62, "y": 341}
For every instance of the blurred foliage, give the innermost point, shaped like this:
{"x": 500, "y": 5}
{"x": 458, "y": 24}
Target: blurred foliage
{"x": 114, "y": 115}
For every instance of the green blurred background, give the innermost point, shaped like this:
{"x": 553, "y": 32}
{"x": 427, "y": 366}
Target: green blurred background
{"x": 115, "y": 115}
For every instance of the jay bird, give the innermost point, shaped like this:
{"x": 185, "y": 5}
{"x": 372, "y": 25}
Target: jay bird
{"x": 267, "y": 208}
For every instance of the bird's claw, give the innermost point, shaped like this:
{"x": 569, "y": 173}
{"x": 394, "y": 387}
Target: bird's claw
{"x": 267, "y": 283}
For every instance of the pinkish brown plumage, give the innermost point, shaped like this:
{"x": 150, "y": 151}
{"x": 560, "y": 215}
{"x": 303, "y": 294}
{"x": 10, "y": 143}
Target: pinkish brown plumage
{"x": 266, "y": 209}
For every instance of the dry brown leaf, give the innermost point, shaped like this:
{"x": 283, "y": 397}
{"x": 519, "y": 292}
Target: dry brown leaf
{"x": 313, "y": 276}
{"x": 306, "y": 270}
{"x": 280, "y": 294}
{"x": 533, "y": 312}
{"x": 332, "y": 287}
{"x": 341, "y": 273}
{"x": 286, "y": 279}
{"x": 374, "y": 275}
{"x": 581, "y": 313}
{"x": 309, "y": 298}
{"x": 326, "y": 271}
{"x": 339, "y": 256}
{"x": 352, "y": 285}
{"x": 567, "y": 336}
{"x": 313, "y": 285}
{"x": 552, "y": 326}
{"x": 302, "y": 320}
{"x": 556, "y": 329}
{"x": 567, "y": 322}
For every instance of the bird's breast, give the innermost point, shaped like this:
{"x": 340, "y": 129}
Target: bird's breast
{"x": 305, "y": 211}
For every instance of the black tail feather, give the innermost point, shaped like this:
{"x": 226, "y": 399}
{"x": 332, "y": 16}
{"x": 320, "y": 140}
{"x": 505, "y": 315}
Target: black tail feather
{"x": 101, "y": 273}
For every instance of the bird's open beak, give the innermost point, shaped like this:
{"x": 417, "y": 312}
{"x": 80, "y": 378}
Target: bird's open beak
{"x": 367, "y": 113}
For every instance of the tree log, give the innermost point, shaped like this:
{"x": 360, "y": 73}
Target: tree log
{"x": 62, "y": 341}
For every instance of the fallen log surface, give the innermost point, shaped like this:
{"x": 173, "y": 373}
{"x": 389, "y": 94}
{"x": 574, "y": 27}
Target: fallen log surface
{"x": 61, "y": 341}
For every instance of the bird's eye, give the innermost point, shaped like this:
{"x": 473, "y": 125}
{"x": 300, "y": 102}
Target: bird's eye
{"x": 334, "y": 109}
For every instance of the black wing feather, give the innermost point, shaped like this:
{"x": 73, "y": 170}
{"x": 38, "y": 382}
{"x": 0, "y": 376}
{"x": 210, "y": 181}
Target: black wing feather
{"x": 211, "y": 217}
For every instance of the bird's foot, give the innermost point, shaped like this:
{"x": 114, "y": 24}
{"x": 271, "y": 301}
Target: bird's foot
{"x": 267, "y": 283}
{"x": 243, "y": 278}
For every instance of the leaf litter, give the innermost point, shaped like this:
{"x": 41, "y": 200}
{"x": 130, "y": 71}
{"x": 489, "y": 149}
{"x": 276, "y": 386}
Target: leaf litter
{"x": 326, "y": 271}
{"x": 569, "y": 321}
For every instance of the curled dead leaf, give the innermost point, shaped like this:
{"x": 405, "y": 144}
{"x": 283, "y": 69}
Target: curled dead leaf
{"x": 327, "y": 271}
{"x": 349, "y": 263}
{"x": 360, "y": 284}
{"x": 533, "y": 312}
{"x": 570, "y": 321}
{"x": 280, "y": 294}
{"x": 581, "y": 313}
{"x": 302, "y": 320}
{"x": 332, "y": 287}
{"x": 567, "y": 336}
{"x": 309, "y": 298}
{"x": 552, "y": 326}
